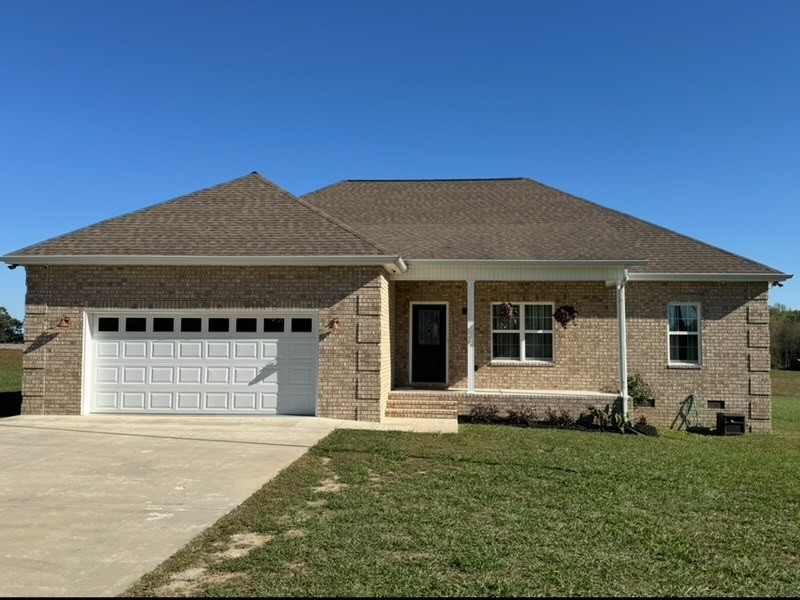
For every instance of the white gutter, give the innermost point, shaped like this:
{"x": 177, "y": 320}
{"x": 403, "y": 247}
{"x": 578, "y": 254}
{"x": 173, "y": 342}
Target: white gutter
{"x": 623, "y": 343}
{"x": 390, "y": 263}
{"x": 710, "y": 276}
{"x": 426, "y": 262}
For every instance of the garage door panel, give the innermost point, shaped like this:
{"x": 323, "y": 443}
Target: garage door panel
{"x": 134, "y": 375}
{"x": 217, "y": 401}
{"x": 244, "y": 401}
{"x": 132, "y": 400}
{"x": 107, "y": 375}
{"x": 245, "y": 372}
{"x": 164, "y": 350}
{"x": 134, "y": 349}
{"x": 107, "y": 350}
{"x": 188, "y": 401}
{"x": 245, "y": 350}
{"x": 190, "y": 349}
{"x": 162, "y": 375}
{"x": 161, "y": 400}
{"x": 244, "y": 375}
{"x": 218, "y": 350}
{"x": 189, "y": 374}
{"x": 106, "y": 400}
{"x": 217, "y": 375}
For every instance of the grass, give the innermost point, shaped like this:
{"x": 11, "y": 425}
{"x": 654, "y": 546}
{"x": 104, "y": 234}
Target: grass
{"x": 10, "y": 381}
{"x": 501, "y": 511}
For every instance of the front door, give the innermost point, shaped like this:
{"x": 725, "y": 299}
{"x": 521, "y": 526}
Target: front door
{"x": 429, "y": 343}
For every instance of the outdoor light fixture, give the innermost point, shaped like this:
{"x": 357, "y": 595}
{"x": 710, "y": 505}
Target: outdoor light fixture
{"x": 334, "y": 325}
{"x": 64, "y": 323}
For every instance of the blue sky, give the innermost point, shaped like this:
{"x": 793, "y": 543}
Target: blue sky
{"x": 682, "y": 113}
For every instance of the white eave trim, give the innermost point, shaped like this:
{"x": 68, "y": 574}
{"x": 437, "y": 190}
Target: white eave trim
{"x": 769, "y": 277}
{"x": 392, "y": 264}
{"x": 535, "y": 264}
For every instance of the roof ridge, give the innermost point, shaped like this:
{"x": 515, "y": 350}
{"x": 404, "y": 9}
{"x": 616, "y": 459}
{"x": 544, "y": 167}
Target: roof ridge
{"x": 657, "y": 226}
{"x": 423, "y": 180}
{"x": 326, "y": 216}
{"x": 132, "y": 212}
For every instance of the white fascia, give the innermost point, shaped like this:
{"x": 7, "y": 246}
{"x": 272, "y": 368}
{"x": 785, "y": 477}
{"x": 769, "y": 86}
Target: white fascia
{"x": 392, "y": 264}
{"x": 768, "y": 277}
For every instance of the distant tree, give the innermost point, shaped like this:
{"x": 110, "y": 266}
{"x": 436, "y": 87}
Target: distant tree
{"x": 784, "y": 329}
{"x": 10, "y": 328}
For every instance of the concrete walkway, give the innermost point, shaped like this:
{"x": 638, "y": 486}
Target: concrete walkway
{"x": 89, "y": 504}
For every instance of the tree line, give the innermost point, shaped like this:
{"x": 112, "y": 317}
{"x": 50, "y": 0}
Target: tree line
{"x": 784, "y": 334}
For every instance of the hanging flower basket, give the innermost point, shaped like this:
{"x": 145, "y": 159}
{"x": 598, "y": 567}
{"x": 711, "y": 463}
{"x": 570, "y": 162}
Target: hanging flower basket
{"x": 565, "y": 314}
{"x": 509, "y": 315}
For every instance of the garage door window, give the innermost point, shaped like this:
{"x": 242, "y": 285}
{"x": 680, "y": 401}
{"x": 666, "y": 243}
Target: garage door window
{"x": 301, "y": 325}
{"x": 246, "y": 325}
{"x": 273, "y": 325}
{"x": 163, "y": 324}
{"x": 135, "y": 324}
{"x": 191, "y": 324}
{"x": 217, "y": 325}
{"x": 108, "y": 324}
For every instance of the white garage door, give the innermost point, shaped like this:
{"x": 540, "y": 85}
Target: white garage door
{"x": 237, "y": 363}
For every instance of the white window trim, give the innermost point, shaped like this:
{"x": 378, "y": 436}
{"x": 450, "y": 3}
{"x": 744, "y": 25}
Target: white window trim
{"x": 522, "y": 331}
{"x": 670, "y": 333}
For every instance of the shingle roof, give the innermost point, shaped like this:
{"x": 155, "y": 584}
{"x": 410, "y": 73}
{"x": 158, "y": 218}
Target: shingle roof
{"x": 249, "y": 216}
{"x": 512, "y": 219}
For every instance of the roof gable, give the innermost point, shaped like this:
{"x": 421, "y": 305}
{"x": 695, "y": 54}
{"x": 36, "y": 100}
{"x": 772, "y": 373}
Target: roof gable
{"x": 512, "y": 219}
{"x": 248, "y": 216}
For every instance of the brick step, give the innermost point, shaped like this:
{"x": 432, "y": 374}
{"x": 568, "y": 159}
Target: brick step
{"x": 410, "y": 414}
{"x": 427, "y": 404}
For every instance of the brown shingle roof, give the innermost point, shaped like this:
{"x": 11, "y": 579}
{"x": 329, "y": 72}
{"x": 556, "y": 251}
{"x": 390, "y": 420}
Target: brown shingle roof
{"x": 513, "y": 219}
{"x": 249, "y": 216}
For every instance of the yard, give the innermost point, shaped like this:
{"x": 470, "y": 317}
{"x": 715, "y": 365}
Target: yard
{"x": 500, "y": 511}
{"x": 10, "y": 381}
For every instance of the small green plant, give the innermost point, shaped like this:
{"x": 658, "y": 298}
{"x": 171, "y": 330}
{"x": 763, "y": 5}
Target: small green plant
{"x": 609, "y": 418}
{"x": 483, "y": 413}
{"x": 523, "y": 416}
{"x": 560, "y": 419}
{"x": 640, "y": 391}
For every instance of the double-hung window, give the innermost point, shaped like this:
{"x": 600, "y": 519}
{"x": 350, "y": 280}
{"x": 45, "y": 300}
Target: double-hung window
{"x": 684, "y": 333}
{"x": 525, "y": 333}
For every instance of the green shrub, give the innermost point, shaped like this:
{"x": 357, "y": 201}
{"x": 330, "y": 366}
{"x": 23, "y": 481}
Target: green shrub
{"x": 483, "y": 413}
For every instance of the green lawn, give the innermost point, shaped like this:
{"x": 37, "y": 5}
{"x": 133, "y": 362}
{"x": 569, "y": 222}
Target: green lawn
{"x": 503, "y": 511}
{"x": 10, "y": 381}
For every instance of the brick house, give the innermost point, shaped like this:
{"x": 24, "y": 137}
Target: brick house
{"x": 371, "y": 299}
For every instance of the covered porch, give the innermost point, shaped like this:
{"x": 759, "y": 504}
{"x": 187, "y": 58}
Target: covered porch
{"x": 449, "y": 351}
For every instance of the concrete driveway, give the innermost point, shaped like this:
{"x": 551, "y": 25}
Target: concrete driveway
{"x": 89, "y": 504}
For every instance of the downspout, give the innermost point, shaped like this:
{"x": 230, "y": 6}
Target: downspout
{"x": 623, "y": 343}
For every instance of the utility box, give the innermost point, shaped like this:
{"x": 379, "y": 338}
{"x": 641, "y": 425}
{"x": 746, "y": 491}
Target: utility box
{"x": 730, "y": 424}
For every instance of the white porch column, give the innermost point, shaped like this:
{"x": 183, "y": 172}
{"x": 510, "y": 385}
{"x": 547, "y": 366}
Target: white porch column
{"x": 623, "y": 343}
{"x": 470, "y": 336}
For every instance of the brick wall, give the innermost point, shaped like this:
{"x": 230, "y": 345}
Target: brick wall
{"x": 734, "y": 343}
{"x": 350, "y": 362}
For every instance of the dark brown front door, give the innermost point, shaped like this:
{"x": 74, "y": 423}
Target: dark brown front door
{"x": 429, "y": 343}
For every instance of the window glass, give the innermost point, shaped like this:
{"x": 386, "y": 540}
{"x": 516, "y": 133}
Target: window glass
{"x": 301, "y": 325}
{"x": 498, "y": 322}
{"x": 273, "y": 325}
{"x": 246, "y": 325}
{"x": 683, "y": 321}
{"x": 539, "y": 346}
{"x": 136, "y": 324}
{"x": 218, "y": 325}
{"x": 505, "y": 345}
{"x": 191, "y": 324}
{"x": 161, "y": 324}
{"x": 108, "y": 324}
{"x": 522, "y": 331}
